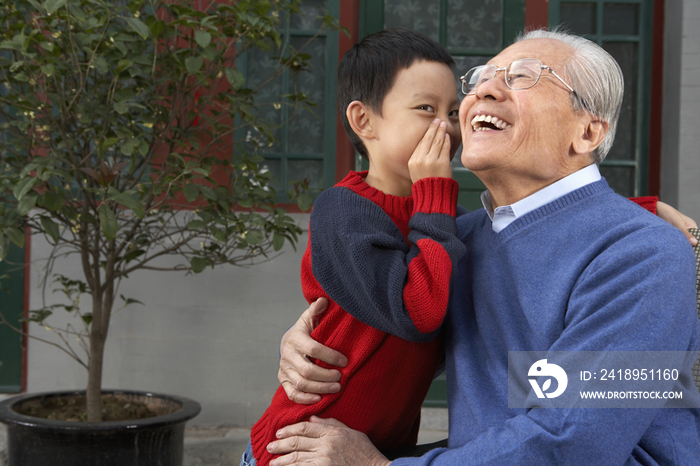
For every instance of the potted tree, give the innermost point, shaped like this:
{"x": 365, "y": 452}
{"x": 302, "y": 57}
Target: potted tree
{"x": 118, "y": 122}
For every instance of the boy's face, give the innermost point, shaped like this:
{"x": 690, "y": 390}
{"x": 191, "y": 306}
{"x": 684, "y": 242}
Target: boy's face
{"x": 420, "y": 94}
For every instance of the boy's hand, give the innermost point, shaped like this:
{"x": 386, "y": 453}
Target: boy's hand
{"x": 432, "y": 155}
{"x": 301, "y": 379}
{"x": 677, "y": 219}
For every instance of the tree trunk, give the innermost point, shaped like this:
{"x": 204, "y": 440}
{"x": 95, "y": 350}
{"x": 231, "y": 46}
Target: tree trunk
{"x": 102, "y": 302}
{"x": 94, "y": 388}
{"x": 97, "y": 347}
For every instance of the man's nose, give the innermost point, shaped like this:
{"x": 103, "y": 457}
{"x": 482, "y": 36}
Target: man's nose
{"x": 494, "y": 88}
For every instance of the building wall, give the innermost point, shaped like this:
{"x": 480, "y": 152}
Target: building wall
{"x": 680, "y": 156}
{"x": 213, "y": 337}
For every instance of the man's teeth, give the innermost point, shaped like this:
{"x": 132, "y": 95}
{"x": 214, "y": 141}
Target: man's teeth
{"x": 496, "y": 122}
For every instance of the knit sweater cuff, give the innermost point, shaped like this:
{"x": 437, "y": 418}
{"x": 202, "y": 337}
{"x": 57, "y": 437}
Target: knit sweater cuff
{"x": 435, "y": 195}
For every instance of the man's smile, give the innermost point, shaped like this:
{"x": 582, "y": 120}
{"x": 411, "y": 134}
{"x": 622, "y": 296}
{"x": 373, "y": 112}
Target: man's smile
{"x": 489, "y": 122}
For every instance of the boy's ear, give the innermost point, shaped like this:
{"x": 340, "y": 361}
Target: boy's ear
{"x": 590, "y": 135}
{"x": 359, "y": 117}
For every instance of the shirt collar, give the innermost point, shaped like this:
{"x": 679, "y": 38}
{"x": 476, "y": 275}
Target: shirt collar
{"x": 505, "y": 215}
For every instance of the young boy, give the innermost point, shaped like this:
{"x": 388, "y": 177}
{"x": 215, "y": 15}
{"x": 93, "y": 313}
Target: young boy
{"x": 382, "y": 243}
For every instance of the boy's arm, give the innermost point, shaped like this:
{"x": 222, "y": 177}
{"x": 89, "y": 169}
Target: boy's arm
{"x": 668, "y": 213}
{"x": 362, "y": 261}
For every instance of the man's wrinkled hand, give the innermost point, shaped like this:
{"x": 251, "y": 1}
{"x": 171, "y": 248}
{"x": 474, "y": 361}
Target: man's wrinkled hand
{"x": 324, "y": 442}
{"x": 303, "y": 381}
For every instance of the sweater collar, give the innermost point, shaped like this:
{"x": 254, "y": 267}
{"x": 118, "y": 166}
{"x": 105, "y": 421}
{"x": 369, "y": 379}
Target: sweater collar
{"x": 397, "y": 207}
{"x": 505, "y": 215}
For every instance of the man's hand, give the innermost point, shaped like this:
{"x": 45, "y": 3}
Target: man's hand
{"x": 302, "y": 380}
{"x": 324, "y": 442}
{"x": 677, "y": 219}
{"x": 432, "y": 155}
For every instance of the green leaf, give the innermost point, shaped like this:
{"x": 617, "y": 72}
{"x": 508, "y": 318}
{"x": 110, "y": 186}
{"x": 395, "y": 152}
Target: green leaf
{"x": 128, "y": 301}
{"x": 304, "y": 201}
{"x": 87, "y": 318}
{"x": 208, "y": 192}
{"x": 139, "y": 26}
{"x": 121, "y": 107}
{"x": 156, "y": 28}
{"x": 277, "y": 241}
{"x": 27, "y": 203}
{"x": 194, "y": 64}
{"x": 108, "y": 222}
{"x": 235, "y": 77}
{"x": 53, "y": 201}
{"x": 203, "y": 38}
{"x": 218, "y": 234}
{"x": 101, "y": 65}
{"x": 53, "y": 5}
{"x": 4, "y": 248}
{"x": 51, "y": 228}
{"x": 134, "y": 254}
{"x": 15, "y": 235}
{"x": 255, "y": 237}
{"x": 196, "y": 225}
{"x": 48, "y": 69}
{"x": 191, "y": 192}
{"x": 198, "y": 264}
{"x": 129, "y": 202}
{"x": 24, "y": 186}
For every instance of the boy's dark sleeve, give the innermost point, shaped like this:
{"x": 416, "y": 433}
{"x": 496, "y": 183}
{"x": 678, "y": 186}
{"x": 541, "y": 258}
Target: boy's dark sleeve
{"x": 362, "y": 261}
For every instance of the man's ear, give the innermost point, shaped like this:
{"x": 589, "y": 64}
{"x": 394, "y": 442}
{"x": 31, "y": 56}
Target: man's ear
{"x": 359, "y": 117}
{"x": 590, "y": 135}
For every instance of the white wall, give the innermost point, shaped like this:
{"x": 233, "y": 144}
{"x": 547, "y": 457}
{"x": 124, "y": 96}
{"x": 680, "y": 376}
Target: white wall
{"x": 212, "y": 337}
{"x": 680, "y": 157}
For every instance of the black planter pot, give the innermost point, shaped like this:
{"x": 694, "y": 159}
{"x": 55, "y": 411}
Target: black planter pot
{"x": 156, "y": 441}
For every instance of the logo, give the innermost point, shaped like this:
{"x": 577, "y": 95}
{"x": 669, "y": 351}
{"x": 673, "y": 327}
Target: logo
{"x": 544, "y": 369}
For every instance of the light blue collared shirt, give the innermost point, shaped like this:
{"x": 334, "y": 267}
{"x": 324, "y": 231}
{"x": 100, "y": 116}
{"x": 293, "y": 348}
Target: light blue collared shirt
{"x": 504, "y": 215}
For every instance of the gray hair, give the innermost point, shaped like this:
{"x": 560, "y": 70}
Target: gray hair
{"x": 595, "y": 76}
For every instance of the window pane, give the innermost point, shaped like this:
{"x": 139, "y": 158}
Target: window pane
{"x": 579, "y": 18}
{"x": 475, "y": 24}
{"x": 417, "y": 15}
{"x": 310, "y": 170}
{"x": 621, "y": 18}
{"x": 260, "y": 68}
{"x": 310, "y": 17}
{"x": 626, "y": 54}
{"x": 620, "y": 179}
{"x": 306, "y": 128}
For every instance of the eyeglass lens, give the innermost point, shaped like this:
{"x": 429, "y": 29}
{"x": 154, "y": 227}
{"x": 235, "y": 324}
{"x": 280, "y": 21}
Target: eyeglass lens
{"x": 521, "y": 74}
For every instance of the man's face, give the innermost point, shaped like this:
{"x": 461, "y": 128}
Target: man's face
{"x": 534, "y": 128}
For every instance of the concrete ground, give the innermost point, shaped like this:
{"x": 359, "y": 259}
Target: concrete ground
{"x": 223, "y": 446}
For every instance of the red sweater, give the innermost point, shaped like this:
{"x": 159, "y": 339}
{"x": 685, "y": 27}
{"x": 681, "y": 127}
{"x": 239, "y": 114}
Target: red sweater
{"x": 387, "y": 274}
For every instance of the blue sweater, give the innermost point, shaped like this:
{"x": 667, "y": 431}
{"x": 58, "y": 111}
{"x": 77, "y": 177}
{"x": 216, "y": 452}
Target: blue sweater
{"x": 587, "y": 272}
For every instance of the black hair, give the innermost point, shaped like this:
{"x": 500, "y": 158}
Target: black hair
{"x": 368, "y": 70}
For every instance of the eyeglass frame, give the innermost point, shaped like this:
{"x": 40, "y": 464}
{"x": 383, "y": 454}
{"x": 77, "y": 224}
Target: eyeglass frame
{"x": 462, "y": 79}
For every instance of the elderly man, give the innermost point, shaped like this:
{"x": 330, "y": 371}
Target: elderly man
{"x": 556, "y": 262}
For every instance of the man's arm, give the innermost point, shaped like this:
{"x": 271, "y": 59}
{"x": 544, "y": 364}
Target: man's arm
{"x": 302, "y": 380}
{"x": 629, "y": 316}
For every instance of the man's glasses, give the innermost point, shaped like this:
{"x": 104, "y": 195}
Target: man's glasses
{"x": 521, "y": 74}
